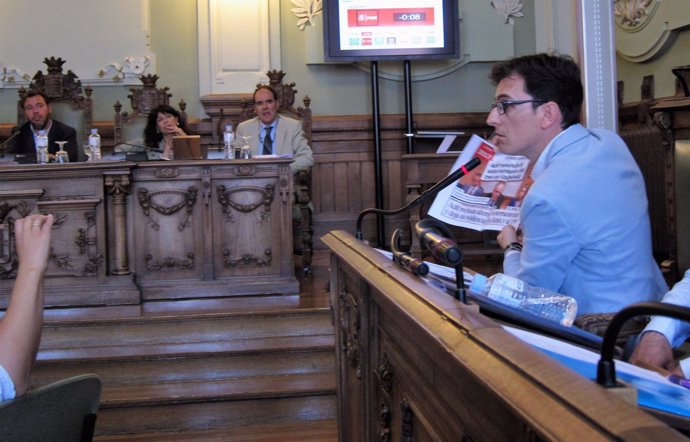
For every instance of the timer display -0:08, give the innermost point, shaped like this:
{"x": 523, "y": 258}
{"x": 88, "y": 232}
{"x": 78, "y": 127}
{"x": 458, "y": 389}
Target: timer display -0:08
{"x": 409, "y": 16}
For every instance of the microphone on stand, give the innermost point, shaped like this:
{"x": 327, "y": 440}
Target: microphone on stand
{"x": 4, "y": 144}
{"x": 433, "y": 190}
{"x": 409, "y": 263}
{"x": 437, "y": 238}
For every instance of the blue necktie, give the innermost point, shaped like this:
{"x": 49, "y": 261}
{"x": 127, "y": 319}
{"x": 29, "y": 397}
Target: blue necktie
{"x": 268, "y": 144}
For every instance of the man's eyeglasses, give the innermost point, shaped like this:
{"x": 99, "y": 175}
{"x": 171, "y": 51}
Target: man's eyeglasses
{"x": 502, "y": 106}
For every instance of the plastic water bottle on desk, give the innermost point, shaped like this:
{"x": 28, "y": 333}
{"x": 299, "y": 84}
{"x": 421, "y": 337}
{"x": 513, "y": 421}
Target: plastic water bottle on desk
{"x": 516, "y": 293}
{"x": 95, "y": 145}
{"x": 42, "y": 147}
{"x": 229, "y": 141}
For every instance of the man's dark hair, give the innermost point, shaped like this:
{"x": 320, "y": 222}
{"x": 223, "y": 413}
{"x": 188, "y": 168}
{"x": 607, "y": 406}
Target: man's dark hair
{"x": 547, "y": 77}
{"x": 265, "y": 87}
{"x": 33, "y": 93}
{"x": 151, "y": 134}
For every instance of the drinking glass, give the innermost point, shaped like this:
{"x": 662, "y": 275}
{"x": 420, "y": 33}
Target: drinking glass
{"x": 88, "y": 152}
{"x": 61, "y": 156}
{"x": 244, "y": 148}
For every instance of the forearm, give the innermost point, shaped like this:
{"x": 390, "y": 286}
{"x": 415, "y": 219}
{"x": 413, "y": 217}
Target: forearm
{"x": 21, "y": 327}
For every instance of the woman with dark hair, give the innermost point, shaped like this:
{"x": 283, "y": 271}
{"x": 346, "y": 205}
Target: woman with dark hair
{"x": 162, "y": 124}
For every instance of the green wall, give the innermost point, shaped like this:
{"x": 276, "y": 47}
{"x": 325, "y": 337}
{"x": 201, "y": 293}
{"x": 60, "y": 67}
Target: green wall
{"x": 677, "y": 53}
{"x": 335, "y": 89}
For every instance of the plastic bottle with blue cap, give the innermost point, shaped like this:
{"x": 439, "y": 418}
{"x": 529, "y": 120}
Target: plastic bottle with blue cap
{"x": 516, "y": 293}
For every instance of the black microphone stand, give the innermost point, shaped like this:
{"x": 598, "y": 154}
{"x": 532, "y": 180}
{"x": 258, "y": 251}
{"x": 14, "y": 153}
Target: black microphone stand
{"x": 424, "y": 226}
{"x": 433, "y": 190}
{"x": 606, "y": 368}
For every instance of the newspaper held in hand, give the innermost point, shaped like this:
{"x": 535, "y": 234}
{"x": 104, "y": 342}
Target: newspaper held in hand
{"x": 489, "y": 197}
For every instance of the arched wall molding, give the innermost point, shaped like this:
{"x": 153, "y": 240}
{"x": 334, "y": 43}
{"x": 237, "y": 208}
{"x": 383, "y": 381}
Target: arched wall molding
{"x": 644, "y": 28}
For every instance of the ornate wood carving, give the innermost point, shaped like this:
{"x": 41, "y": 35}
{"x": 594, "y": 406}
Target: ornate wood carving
{"x": 155, "y": 265}
{"x": 245, "y": 170}
{"x": 385, "y": 422}
{"x": 264, "y": 199}
{"x": 166, "y": 173}
{"x": 86, "y": 242}
{"x": 384, "y": 373}
{"x": 407, "y": 420}
{"x": 147, "y": 203}
{"x": 350, "y": 325}
{"x": 247, "y": 259}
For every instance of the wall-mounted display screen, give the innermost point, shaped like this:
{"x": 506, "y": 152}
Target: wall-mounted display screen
{"x": 357, "y": 30}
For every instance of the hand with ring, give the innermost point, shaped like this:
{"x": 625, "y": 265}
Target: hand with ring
{"x": 32, "y": 236}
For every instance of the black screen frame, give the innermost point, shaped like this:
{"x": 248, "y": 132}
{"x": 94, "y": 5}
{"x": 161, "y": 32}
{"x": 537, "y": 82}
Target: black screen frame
{"x": 334, "y": 53}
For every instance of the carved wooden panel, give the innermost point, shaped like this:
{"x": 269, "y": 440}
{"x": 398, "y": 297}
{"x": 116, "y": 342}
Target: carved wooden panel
{"x": 169, "y": 214}
{"x": 213, "y": 228}
{"x": 249, "y": 205}
{"x": 78, "y": 265}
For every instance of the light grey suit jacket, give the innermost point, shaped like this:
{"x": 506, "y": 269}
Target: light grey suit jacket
{"x": 289, "y": 140}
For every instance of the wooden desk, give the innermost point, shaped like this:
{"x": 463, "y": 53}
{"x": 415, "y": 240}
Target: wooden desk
{"x": 415, "y": 364}
{"x": 155, "y": 230}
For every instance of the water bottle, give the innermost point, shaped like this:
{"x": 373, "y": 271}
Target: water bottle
{"x": 518, "y": 294}
{"x": 42, "y": 147}
{"x": 229, "y": 140}
{"x": 95, "y": 145}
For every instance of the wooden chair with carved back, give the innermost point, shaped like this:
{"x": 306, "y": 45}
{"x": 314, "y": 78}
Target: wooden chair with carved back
{"x": 68, "y": 102}
{"x": 142, "y": 101}
{"x": 302, "y": 224}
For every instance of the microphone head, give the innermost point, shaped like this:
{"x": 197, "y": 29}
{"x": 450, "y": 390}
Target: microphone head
{"x": 419, "y": 268}
{"x": 448, "y": 252}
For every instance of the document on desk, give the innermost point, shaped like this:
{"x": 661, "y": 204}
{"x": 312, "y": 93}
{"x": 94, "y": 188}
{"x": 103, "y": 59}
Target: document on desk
{"x": 488, "y": 197}
{"x": 653, "y": 390}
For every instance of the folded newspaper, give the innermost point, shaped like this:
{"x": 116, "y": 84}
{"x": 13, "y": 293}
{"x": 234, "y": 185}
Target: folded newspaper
{"x": 489, "y": 196}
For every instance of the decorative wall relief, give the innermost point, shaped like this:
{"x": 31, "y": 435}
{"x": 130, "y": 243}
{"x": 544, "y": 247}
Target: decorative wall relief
{"x": 644, "y": 28}
{"x": 306, "y": 11}
{"x": 11, "y": 75}
{"x": 508, "y": 9}
{"x": 129, "y": 68}
{"x": 631, "y": 12}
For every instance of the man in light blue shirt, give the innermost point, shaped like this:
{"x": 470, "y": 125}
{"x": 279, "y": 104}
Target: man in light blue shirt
{"x": 585, "y": 225}
{"x": 663, "y": 333}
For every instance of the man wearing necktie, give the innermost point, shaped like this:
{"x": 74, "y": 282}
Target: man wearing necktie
{"x": 267, "y": 141}
{"x": 272, "y": 133}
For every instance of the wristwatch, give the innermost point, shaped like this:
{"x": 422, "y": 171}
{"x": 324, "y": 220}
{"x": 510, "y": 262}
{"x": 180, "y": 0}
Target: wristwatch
{"x": 513, "y": 246}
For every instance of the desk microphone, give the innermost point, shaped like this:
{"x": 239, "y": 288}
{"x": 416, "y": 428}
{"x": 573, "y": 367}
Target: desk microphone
{"x": 437, "y": 238}
{"x": 4, "y": 144}
{"x": 135, "y": 145}
{"x": 433, "y": 190}
{"x": 413, "y": 265}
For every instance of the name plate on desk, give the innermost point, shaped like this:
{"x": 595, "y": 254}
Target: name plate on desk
{"x": 188, "y": 147}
